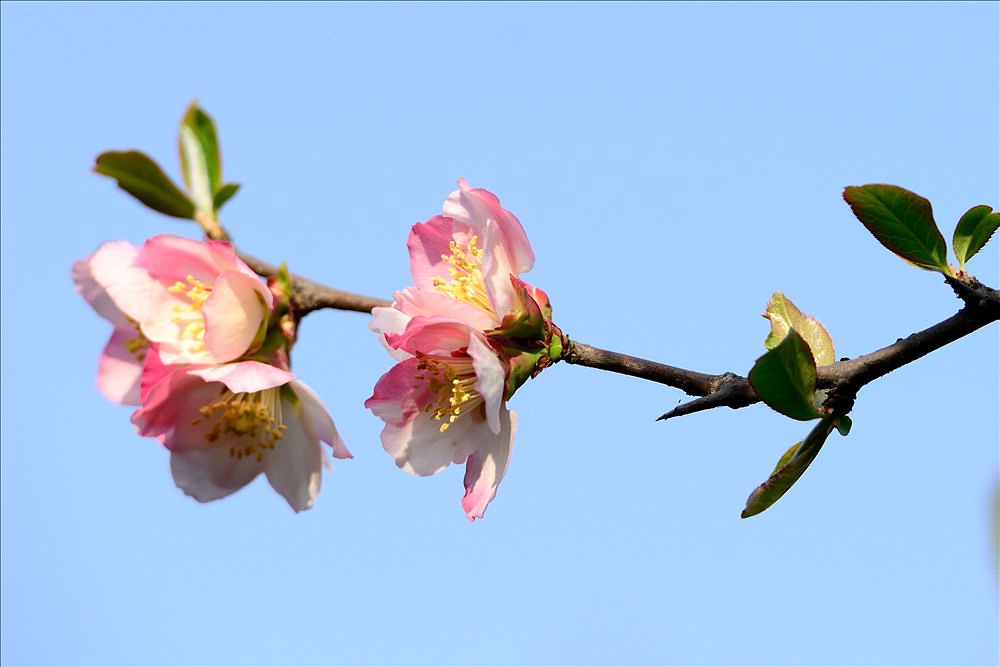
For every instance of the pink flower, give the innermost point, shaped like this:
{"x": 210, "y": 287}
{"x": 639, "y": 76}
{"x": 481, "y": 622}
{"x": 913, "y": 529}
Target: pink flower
{"x": 225, "y": 424}
{"x": 198, "y": 301}
{"x": 466, "y": 338}
{"x": 120, "y": 365}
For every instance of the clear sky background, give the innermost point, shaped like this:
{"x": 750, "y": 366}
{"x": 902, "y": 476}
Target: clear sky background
{"x": 673, "y": 164}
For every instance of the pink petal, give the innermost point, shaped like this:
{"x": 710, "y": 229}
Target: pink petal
{"x": 233, "y": 313}
{"x": 497, "y": 270}
{"x": 434, "y": 304}
{"x": 154, "y": 370}
{"x": 130, "y": 288}
{"x": 318, "y": 420}
{"x": 491, "y": 378}
{"x": 397, "y": 397}
{"x": 294, "y": 466}
{"x": 211, "y": 473}
{"x": 170, "y": 258}
{"x": 427, "y": 242}
{"x": 171, "y": 402}
{"x": 245, "y": 376}
{"x": 118, "y": 370}
{"x": 430, "y": 337}
{"x": 96, "y": 295}
{"x": 475, "y": 206}
{"x": 487, "y": 466}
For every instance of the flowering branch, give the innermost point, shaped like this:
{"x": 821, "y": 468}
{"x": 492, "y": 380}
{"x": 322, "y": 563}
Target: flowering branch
{"x": 202, "y": 345}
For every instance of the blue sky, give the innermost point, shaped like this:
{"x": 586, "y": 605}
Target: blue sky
{"x": 673, "y": 165}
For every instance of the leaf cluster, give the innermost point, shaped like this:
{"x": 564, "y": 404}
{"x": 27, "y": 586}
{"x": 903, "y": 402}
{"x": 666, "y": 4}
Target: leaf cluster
{"x": 201, "y": 167}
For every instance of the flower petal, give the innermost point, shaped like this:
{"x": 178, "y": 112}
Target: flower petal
{"x": 113, "y": 267}
{"x": 171, "y": 410}
{"x": 487, "y": 466}
{"x": 396, "y": 397}
{"x": 318, "y": 420}
{"x": 491, "y": 378}
{"x": 433, "y": 304}
{"x": 294, "y": 466}
{"x": 233, "y": 313}
{"x": 211, "y": 473}
{"x": 96, "y": 295}
{"x": 427, "y": 243}
{"x": 389, "y": 320}
{"x": 118, "y": 370}
{"x": 430, "y": 337}
{"x": 245, "y": 376}
{"x": 420, "y": 448}
{"x": 475, "y": 206}
{"x": 170, "y": 258}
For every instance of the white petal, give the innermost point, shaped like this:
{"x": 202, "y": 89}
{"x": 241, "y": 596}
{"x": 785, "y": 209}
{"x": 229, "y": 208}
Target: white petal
{"x": 318, "y": 419}
{"x": 294, "y": 466}
{"x": 490, "y": 379}
{"x": 420, "y": 448}
{"x": 487, "y": 466}
{"x": 211, "y": 473}
{"x": 389, "y": 320}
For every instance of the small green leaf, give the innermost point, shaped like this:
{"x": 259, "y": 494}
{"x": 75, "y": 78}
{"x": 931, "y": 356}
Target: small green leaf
{"x": 901, "y": 221}
{"x": 786, "y": 457}
{"x": 790, "y": 467}
{"x": 201, "y": 162}
{"x": 224, "y": 194}
{"x": 138, "y": 175}
{"x": 784, "y": 315}
{"x": 844, "y": 425}
{"x": 973, "y": 232}
{"x": 785, "y": 378}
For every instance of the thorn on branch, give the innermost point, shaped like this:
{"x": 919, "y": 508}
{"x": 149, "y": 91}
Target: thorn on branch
{"x": 728, "y": 389}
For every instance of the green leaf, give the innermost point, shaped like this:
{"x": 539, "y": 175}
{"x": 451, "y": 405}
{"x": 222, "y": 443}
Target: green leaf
{"x": 901, "y": 221}
{"x": 844, "y": 425}
{"x": 786, "y": 457}
{"x": 785, "y": 378}
{"x": 138, "y": 175}
{"x": 973, "y": 232}
{"x": 790, "y": 467}
{"x": 784, "y": 315}
{"x": 224, "y": 194}
{"x": 201, "y": 162}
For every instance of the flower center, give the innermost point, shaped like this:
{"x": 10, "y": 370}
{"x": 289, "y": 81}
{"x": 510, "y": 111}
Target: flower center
{"x": 452, "y": 383}
{"x": 466, "y": 282}
{"x": 190, "y": 320}
{"x": 251, "y": 421}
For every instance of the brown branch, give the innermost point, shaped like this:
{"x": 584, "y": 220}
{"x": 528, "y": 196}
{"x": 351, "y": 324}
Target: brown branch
{"x": 310, "y": 295}
{"x": 844, "y": 378}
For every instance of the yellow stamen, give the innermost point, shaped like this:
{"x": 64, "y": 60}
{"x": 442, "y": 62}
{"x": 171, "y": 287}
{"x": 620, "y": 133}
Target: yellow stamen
{"x": 466, "y": 282}
{"x": 190, "y": 320}
{"x": 452, "y": 381}
{"x": 254, "y": 419}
